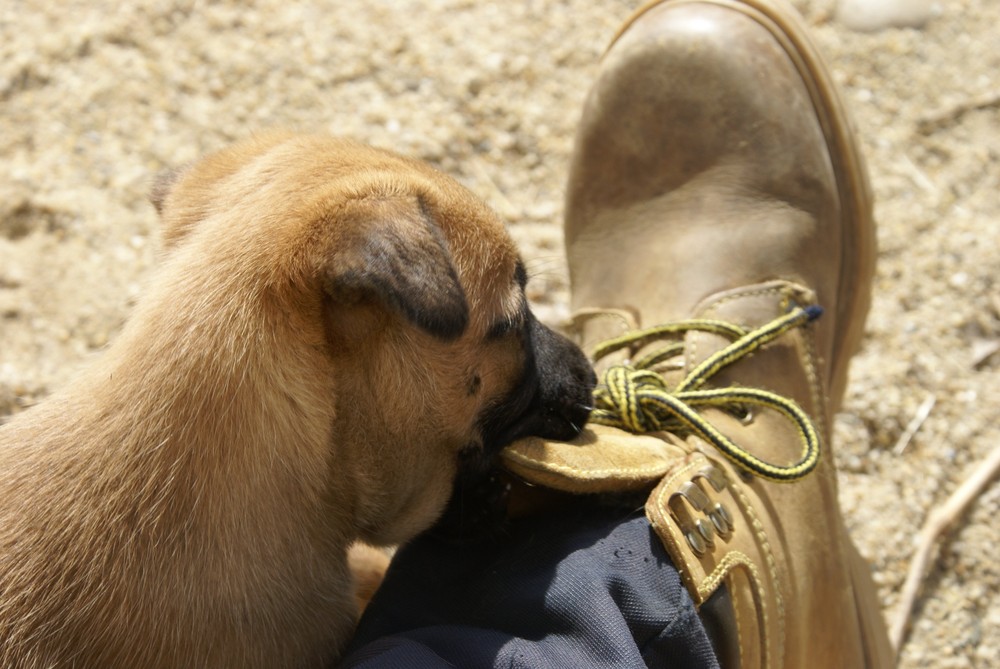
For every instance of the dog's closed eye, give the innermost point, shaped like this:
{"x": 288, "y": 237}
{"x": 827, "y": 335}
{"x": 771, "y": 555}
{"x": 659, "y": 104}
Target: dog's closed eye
{"x": 504, "y": 327}
{"x": 518, "y": 321}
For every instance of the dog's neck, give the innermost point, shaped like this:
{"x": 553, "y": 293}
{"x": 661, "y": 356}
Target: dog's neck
{"x": 245, "y": 416}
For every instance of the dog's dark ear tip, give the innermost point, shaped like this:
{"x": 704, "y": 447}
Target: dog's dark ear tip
{"x": 437, "y": 306}
{"x": 400, "y": 256}
{"x": 446, "y": 322}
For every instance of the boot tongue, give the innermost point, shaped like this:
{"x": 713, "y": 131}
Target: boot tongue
{"x": 785, "y": 366}
{"x": 748, "y": 307}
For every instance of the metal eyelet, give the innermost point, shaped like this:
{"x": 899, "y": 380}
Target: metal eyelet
{"x": 705, "y": 530}
{"x": 721, "y": 519}
{"x": 714, "y": 476}
{"x": 696, "y": 542}
{"x": 724, "y": 512}
{"x": 693, "y": 493}
{"x": 705, "y": 518}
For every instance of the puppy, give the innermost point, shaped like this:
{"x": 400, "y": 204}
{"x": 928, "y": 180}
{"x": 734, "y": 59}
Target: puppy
{"x": 331, "y": 329}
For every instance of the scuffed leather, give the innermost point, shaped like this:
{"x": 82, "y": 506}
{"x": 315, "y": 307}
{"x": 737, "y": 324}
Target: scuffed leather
{"x": 715, "y": 175}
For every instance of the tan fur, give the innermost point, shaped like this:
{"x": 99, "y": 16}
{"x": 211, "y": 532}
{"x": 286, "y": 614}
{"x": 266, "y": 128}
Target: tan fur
{"x": 189, "y": 500}
{"x": 368, "y": 566}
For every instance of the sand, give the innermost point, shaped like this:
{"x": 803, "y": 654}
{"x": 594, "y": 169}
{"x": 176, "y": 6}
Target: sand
{"x": 97, "y": 96}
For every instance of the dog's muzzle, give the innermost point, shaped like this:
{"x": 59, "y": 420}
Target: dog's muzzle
{"x": 553, "y": 399}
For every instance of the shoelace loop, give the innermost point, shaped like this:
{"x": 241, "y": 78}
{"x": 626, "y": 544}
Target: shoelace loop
{"x": 633, "y": 397}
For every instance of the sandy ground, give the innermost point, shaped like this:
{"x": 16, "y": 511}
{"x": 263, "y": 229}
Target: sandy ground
{"x": 97, "y": 96}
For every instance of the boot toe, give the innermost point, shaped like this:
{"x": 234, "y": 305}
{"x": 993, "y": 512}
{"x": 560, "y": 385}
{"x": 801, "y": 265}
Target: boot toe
{"x": 713, "y": 153}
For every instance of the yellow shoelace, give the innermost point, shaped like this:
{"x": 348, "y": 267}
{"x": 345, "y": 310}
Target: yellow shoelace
{"x": 635, "y": 398}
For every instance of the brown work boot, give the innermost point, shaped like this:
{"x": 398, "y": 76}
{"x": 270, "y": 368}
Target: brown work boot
{"x": 716, "y": 190}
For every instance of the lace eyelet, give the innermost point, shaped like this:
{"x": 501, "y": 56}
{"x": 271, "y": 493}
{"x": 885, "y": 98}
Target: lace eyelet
{"x": 743, "y": 413}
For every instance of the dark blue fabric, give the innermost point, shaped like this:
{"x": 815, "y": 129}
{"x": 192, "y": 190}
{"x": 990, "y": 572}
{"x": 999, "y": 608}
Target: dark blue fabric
{"x": 593, "y": 589}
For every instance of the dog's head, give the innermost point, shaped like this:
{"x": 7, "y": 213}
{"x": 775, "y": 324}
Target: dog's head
{"x": 406, "y": 294}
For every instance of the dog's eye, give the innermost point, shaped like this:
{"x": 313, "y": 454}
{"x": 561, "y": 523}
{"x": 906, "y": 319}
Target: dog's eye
{"x": 515, "y": 323}
{"x": 520, "y": 275}
{"x": 502, "y": 328}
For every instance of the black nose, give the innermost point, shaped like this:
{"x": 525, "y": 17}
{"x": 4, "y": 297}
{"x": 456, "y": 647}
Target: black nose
{"x": 553, "y": 400}
{"x": 565, "y": 401}
{"x": 565, "y": 383}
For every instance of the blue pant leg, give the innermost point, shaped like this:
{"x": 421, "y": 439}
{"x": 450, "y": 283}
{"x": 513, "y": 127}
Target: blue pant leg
{"x": 562, "y": 591}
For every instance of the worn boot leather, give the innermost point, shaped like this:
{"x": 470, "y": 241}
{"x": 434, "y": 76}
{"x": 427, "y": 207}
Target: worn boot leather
{"x": 715, "y": 176}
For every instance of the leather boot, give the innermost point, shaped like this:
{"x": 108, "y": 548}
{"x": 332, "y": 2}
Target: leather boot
{"x": 716, "y": 182}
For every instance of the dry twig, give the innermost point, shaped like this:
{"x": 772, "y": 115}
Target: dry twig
{"x": 943, "y": 118}
{"x": 937, "y": 522}
{"x": 982, "y": 351}
{"x": 923, "y": 411}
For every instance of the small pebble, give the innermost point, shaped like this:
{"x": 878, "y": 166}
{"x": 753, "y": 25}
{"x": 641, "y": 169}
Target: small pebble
{"x": 874, "y": 15}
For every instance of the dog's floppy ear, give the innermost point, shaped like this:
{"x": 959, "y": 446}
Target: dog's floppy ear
{"x": 393, "y": 251}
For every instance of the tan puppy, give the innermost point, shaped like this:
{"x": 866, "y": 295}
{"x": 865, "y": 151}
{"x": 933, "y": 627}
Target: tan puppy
{"x": 331, "y": 330}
